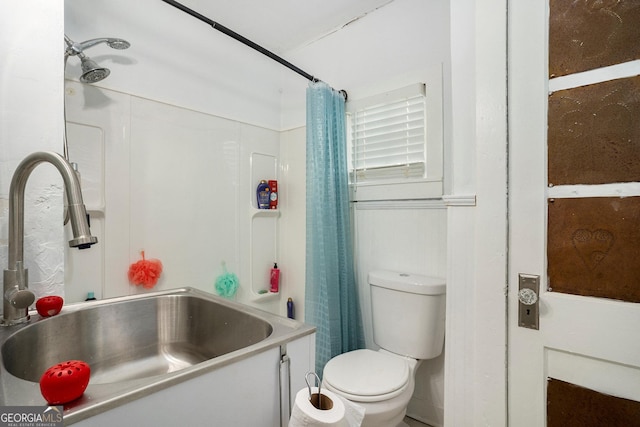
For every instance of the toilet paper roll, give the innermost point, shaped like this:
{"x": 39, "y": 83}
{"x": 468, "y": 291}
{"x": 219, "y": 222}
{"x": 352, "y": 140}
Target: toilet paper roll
{"x": 304, "y": 414}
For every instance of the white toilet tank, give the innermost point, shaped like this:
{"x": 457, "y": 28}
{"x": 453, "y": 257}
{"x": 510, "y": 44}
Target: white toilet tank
{"x": 408, "y": 313}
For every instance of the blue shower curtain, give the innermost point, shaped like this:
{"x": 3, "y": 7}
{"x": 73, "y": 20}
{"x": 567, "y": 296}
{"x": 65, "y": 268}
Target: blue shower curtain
{"x": 331, "y": 298}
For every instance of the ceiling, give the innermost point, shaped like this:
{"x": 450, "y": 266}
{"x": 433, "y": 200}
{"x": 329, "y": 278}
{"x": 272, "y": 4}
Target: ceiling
{"x": 283, "y": 25}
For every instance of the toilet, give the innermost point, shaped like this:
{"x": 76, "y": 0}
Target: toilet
{"x": 408, "y": 325}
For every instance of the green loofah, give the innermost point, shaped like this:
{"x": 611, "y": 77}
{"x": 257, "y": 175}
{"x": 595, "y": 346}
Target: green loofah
{"x": 226, "y": 283}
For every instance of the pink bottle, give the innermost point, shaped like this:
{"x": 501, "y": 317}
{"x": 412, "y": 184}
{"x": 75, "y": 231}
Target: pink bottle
{"x": 275, "y": 278}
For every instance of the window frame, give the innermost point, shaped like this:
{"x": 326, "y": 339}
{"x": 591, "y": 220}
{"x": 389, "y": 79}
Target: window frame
{"x": 430, "y": 184}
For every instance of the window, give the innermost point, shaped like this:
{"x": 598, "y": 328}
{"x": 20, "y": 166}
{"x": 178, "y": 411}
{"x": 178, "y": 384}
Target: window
{"x": 388, "y": 140}
{"x": 389, "y": 151}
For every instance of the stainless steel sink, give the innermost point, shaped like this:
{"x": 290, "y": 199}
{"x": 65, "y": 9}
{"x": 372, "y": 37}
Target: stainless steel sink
{"x": 133, "y": 339}
{"x": 136, "y": 345}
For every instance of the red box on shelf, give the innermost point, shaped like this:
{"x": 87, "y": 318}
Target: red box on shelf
{"x": 273, "y": 194}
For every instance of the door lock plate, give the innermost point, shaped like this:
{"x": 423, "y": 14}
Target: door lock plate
{"x": 528, "y": 301}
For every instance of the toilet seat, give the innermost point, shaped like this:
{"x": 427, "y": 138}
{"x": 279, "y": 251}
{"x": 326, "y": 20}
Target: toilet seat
{"x": 367, "y": 375}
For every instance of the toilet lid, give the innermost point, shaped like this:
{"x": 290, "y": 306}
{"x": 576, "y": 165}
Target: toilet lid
{"x": 367, "y": 373}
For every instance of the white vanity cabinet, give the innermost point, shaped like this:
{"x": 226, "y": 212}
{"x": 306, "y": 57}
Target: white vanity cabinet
{"x": 244, "y": 393}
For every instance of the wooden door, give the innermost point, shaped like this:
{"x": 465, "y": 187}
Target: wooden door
{"x": 574, "y": 211}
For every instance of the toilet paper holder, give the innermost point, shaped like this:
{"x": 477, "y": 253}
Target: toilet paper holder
{"x": 318, "y": 400}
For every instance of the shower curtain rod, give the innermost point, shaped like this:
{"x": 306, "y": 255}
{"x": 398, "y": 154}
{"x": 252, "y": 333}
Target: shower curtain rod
{"x": 246, "y": 41}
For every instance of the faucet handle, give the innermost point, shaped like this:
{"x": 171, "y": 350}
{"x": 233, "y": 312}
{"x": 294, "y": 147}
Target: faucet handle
{"x": 20, "y": 298}
{"x": 16, "y": 285}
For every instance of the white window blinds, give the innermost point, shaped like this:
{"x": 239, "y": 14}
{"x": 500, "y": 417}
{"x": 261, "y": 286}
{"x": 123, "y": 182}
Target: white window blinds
{"x": 388, "y": 136}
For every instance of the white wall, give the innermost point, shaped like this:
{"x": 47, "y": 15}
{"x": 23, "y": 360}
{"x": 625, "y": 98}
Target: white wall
{"x": 31, "y": 120}
{"x": 410, "y": 237}
{"x": 475, "y": 376}
{"x": 391, "y": 47}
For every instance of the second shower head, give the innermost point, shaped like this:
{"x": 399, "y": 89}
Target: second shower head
{"x": 91, "y": 71}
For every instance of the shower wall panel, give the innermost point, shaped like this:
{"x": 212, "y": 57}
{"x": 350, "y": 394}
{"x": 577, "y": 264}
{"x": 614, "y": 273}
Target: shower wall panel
{"x": 86, "y": 150}
{"x": 98, "y": 138}
{"x": 167, "y": 180}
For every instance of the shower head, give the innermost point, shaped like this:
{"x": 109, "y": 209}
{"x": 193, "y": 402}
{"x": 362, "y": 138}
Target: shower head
{"x": 92, "y": 72}
{"x": 119, "y": 44}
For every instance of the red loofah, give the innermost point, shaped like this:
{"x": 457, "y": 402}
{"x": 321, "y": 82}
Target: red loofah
{"x": 145, "y": 272}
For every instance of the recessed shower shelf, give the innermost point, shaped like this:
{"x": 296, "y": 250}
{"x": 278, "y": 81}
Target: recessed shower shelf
{"x": 263, "y": 231}
{"x": 265, "y": 212}
{"x": 266, "y": 296}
